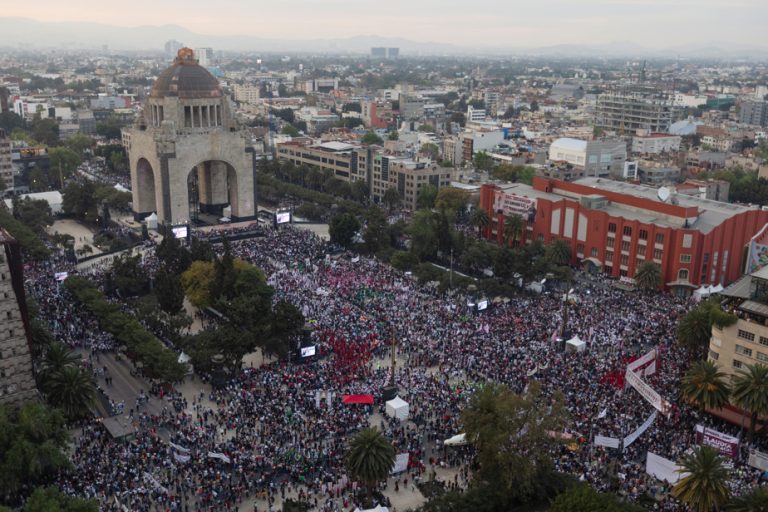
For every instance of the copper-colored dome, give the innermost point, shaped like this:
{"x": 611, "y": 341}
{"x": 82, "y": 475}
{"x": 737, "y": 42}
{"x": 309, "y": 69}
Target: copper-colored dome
{"x": 185, "y": 78}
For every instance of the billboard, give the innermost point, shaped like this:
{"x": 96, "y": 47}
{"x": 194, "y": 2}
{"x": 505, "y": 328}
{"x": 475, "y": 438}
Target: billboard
{"x": 283, "y": 217}
{"x": 757, "y": 256}
{"x": 308, "y": 351}
{"x": 513, "y": 204}
{"x": 180, "y": 231}
{"x": 725, "y": 444}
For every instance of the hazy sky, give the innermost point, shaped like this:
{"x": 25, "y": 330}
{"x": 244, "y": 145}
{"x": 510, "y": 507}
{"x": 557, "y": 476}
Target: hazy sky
{"x": 510, "y": 23}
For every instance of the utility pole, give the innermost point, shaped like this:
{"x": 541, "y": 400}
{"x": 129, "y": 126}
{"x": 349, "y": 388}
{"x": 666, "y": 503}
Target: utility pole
{"x": 394, "y": 362}
{"x": 451, "y": 275}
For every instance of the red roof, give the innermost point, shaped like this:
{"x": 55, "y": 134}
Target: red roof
{"x": 357, "y": 399}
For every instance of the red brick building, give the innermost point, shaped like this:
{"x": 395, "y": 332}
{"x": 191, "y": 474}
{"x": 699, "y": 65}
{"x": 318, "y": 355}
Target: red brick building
{"x": 615, "y": 226}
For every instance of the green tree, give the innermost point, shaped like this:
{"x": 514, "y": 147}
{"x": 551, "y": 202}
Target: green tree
{"x": 72, "y": 390}
{"x": 286, "y": 324}
{"x": 648, "y": 276}
{"x": 197, "y": 281}
{"x": 393, "y": 135}
{"x": 371, "y": 138}
{"x": 174, "y": 256}
{"x": 50, "y": 499}
{"x": 169, "y": 292}
{"x": 431, "y": 150}
{"x": 482, "y": 161}
{"x": 750, "y": 392}
{"x": 376, "y": 233}
{"x": 79, "y": 199}
{"x": 57, "y": 357}
{"x": 481, "y": 220}
{"x": 291, "y": 130}
{"x": 423, "y": 235}
{"x": 343, "y": 228}
{"x": 705, "y": 487}
{"x": 29, "y": 241}
{"x": 511, "y": 434}
{"x": 64, "y": 160}
{"x": 704, "y": 385}
{"x": 582, "y": 498}
{"x": 110, "y": 129}
{"x": 128, "y": 275}
{"x": 695, "y": 328}
{"x": 10, "y": 121}
{"x": 78, "y": 143}
{"x": 513, "y": 228}
{"x": 452, "y": 198}
{"x": 369, "y": 459}
{"x": 44, "y": 130}
{"x": 32, "y": 443}
{"x": 754, "y": 501}
{"x": 425, "y": 198}
{"x": 559, "y": 252}
{"x": 225, "y": 275}
{"x": 391, "y": 198}
{"x": 35, "y": 213}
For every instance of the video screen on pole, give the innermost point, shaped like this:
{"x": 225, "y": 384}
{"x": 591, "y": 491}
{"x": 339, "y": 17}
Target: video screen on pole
{"x": 481, "y": 305}
{"x": 308, "y": 351}
{"x": 283, "y": 217}
{"x": 180, "y": 231}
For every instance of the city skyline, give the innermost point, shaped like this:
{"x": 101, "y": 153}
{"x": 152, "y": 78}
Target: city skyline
{"x": 651, "y": 24}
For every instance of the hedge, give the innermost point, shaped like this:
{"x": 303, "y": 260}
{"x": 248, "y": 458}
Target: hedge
{"x": 157, "y": 359}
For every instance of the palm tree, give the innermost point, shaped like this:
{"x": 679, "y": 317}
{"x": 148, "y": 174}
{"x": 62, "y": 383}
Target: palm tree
{"x": 370, "y": 459}
{"x": 704, "y": 487}
{"x": 559, "y": 252}
{"x": 704, "y": 385}
{"x": 391, "y": 198}
{"x": 648, "y": 276}
{"x": 754, "y": 501}
{"x": 480, "y": 220}
{"x": 57, "y": 357}
{"x": 750, "y": 392}
{"x": 513, "y": 228}
{"x": 694, "y": 329}
{"x": 72, "y": 390}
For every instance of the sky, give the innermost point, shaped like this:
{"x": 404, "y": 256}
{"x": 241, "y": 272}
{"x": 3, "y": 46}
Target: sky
{"x": 476, "y": 23}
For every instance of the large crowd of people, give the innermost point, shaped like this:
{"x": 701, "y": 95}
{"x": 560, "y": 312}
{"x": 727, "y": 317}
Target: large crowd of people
{"x": 281, "y": 429}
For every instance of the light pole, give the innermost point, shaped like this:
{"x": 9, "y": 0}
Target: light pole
{"x": 564, "y": 326}
{"x": 451, "y": 275}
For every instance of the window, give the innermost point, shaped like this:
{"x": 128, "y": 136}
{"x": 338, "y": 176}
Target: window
{"x": 627, "y": 230}
{"x": 683, "y": 274}
{"x": 685, "y": 258}
{"x": 540, "y": 237}
{"x": 608, "y": 256}
{"x": 611, "y": 242}
{"x": 659, "y": 238}
{"x": 705, "y": 259}
{"x": 593, "y": 252}
{"x": 764, "y": 341}
{"x": 743, "y": 351}
{"x": 625, "y": 246}
{"x": 737, "y": 363}
{"x": 687, "y": 241}
{"x": 580, "y": 249}
{"x": 714, "y": 355}
{"x": 643, "y": 235}
{"x": 746, "y": 335}
{"x": 762, "y": 357}
{"x": 611, "y": 227}
{"x": 624, "y": 259}
{"x": 641, "y": 250}
{"x": 657, "y": 254}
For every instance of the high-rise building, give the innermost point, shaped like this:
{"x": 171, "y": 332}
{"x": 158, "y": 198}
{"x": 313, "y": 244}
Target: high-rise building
{"x": 393, "y": 53}
{"x": 754, "y": 113}
{"x": 171, "y": 47}
{"x": 204, "y": 56}
{"x": 598, "y": 158}
{"x": 6, "y": 169}
{"x": 17, "y": 382}
{"x": 379, "y": 52}
{"x": 627, "y": 111}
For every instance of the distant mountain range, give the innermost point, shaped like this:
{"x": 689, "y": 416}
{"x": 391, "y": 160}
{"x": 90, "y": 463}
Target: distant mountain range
{"x": 20, "y": 32}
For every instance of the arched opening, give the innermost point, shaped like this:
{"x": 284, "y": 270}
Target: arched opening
{"x": 144, "y": 198}
{"x": 212, "y": 187}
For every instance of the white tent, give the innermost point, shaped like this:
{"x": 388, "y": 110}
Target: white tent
{"x": 457, "y": 440}
{"x": 151, "y": 221}
{"x": 716, "y": 289}
{"x": 397, "y": 408}
{"x": 377, "y": 508}
{"x": 576, "y": 344}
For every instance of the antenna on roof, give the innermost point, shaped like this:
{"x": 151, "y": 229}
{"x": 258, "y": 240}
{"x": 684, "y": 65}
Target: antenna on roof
{"x": 663, "y": 194}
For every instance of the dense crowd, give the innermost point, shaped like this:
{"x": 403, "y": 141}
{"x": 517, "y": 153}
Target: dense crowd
{"x": 282, "y": 428}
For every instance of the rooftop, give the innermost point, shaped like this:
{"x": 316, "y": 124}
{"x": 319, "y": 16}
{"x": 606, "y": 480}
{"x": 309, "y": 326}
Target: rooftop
{"x": 572, "y": 144}
{"x": 336, "y": 146}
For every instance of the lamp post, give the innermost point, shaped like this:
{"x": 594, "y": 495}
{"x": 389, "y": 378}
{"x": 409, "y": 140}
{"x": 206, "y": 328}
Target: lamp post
{"x": 564, "y": 325}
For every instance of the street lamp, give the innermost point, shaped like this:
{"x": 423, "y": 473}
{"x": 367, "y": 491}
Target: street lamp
{"x": 564, "y": 325}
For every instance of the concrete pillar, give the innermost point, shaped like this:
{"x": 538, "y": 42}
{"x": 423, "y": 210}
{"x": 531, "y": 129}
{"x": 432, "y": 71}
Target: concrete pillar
{"x": 204, "y": 183}
{"x": 218, "y": 182}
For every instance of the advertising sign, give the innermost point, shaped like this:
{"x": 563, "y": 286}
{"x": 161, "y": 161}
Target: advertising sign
{"x": 725, "y": 444}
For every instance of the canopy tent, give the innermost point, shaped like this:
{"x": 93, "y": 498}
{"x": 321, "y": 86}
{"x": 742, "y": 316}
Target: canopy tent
{"x": 377, "y": 508}
{"x": 705, "y": 291}
{"x": 397, "y": 408}
{"x": 151, "y": 221}
{"x": 357, "y": 399}
{"x": 457, "y": 440}
{"x": 576, "y": 344}
{"x": 184, "y": 358}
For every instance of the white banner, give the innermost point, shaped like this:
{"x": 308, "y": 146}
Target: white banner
{"x": 639, "y": 363}
{"x": 608, "y": 442}
{"x": 758, "y": 460}
{"x": 647, "y": 392}
{"x": 178, "y": 448}
{"x": 663, "y": 469}
{"x": 401, "y": 463}
{"x": 220, "y": 456}
{"x": 650, "y": 369}
{"x": 631, "y": 438}
{"x": 180, "y": 457}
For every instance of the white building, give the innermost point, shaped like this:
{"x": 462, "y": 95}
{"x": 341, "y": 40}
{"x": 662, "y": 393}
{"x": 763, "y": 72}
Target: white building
{"x": 655, "y": 143}
{"x": 601, "y": 158}
{"x": 475, "y": 114}
{"x": 247, "y": 93}
{"x": 204, "y": 56}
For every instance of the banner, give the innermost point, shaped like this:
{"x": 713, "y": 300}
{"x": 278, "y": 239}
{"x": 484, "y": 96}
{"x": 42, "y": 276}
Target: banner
{"x": 178, "y": 448}
{"x": 725, "y": 444}
{"x": 663, "y": 469}
{"x": 401, "y": 463}
{"x": 179, "y": 457}
{"x": 758, "y": 460}
{"x": 647, "y": 392}
{"x": 220, "y": 456}
{"x": 758, "y": 251}
{"x": 639, "y": 363}
{"x": 650, "y": 369}
{"x": 631, "y": 438}
{"x": 608, "y": 442}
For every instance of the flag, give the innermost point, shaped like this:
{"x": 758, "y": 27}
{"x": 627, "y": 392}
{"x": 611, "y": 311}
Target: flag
{"x": 178, "y": 457}
{"x": 178, "y": 448}
{"x": 602, "y": 414}
{"x": 220, "y": 456}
